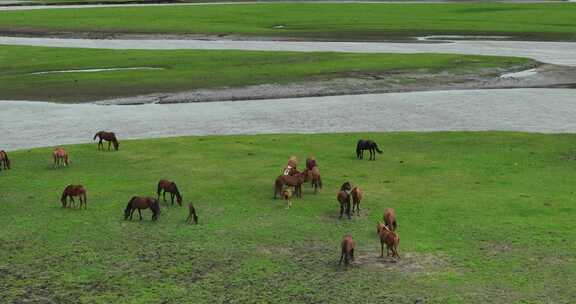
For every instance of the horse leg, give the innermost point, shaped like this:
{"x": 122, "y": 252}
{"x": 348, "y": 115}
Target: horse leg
{"x": 348, "y": 209}
{"x": 341, "y": 257}
{"x": 73, "y": 203}
{"x": 140, "y": 214}
{"x": 341, "y": 209}
{"x": 172, "y": 197}
{"x": 109, "y": 143}
{"x": 382, "y": 248}
{"x": 132, "y": 213}
{"x": 164, "y": 195}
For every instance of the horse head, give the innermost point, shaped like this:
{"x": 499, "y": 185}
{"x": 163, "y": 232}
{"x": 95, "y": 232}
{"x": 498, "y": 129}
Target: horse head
{"x": 116, "y": 145}
{"x": 346, "y": 187}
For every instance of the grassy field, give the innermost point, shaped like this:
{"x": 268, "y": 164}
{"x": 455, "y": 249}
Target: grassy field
{"x": 187, "y": 70}
{"x": 328, "y": 21}
{"x": 483, "y": 218}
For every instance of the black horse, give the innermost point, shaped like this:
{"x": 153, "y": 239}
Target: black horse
{"x": 369, "y": 145}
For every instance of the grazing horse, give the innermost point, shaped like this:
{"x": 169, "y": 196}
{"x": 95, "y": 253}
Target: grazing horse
{"x": 311, "y": 163}
{"x": 295, "y": 181}
{"x": 4, "y": 161}
{"x": 344, "y": 198}
{"x": 347, "y": 252}
{"x": 110, "y": 137}
{"x": 168, "y": 186}
{"x": 389, "y": 218}
{"x": 60, "y": 157}
{"x": 192, "y": 215}
{"x": 391, "y": 239}
{"x": 357, "y": 195}
{"x": 139, "y": 203}
{"x": 71, "y": 191}
{"x": 369, "y": 145}
{"x": 287, "y": 195}
{"x": 314, "y": 176}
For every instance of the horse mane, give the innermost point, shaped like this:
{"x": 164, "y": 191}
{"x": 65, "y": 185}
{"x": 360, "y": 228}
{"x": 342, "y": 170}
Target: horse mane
{"x": 97, "y": 134}
{"x": 64, "y": 194}
{"x": 176, "y": 190}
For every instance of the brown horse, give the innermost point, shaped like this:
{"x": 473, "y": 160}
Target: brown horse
{"x": 287, "y": 195}
{"x": 347, "y": 252}
{"x": 357, "y": 195}
{"x": 311, "y": 163}
{"x": 71, "y": 191}
{"x": 60, "y": 157}
{"x": 391, "y": 239}
{"x": 110, "y": 137}
{"x": 139, "y": 203}
{"x": 295, "y": 181}
{"x": 379, "y": 227}
{"x": 170, "y": 187}
{"x": 369, "y": 145}
{"x": 4, "y": 161}
{"x": 313, "y": 176}
{"x": 344, "y": 198}
{"x": 389, "y": 218}
{"x": 192, "y": 215}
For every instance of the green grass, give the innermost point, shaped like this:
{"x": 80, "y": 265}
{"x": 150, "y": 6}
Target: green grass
{"x": 187, "y": 70}
{"x": 483, "y": 218}
{"x": 343, "y": 21}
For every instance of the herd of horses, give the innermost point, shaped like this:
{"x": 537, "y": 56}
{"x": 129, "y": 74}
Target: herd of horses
{"x": 286, "y": 185}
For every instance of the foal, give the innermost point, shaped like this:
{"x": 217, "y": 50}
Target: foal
{"x": 110, "y": 137}
{"x": 4, "y": 161}
{"x": 343, "y": 198}
{"x": 191, "y": 215}
{"x": 60, "y": 157}
{"x": 170, "y": 187}
{"x": 357, "y": 195}
{"x": 347, "y": 250}
{"x": 71, "y": 191}
{"x": 314, "y": 176}
{"x": 391, "y": 239}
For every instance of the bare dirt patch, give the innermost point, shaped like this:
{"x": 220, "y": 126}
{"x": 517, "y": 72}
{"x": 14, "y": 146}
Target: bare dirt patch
{"x": 408, "y": 263}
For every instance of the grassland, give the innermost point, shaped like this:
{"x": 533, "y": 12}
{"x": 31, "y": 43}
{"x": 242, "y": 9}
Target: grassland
{"x": 346, "y": 21}
{"x": 483, "y": 217}
{"x": 188, "y": 70}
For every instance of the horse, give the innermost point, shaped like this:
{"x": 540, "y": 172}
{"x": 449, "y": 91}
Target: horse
{"x": 311, "y": 163}
{"x": 191, "y": 215}
{"x": 347, "y": 250}
{"x": 295, "y": 181}
{"x": 391, "y": 239}
{"x": 71, "y": 191}
{"x": 60, "y": 157}
{"x": 389, "y": 218}
{"x": 110, "y": 137}
{"x": 379, "y": 227}
{"x": 4, "y": 160}
{"x": 369, "y": 145}
{"x": 168, "y": 186}
{"x": 287, "y": 195}
{"x": 344, "y": 198}
{"x": 357, "y": 195}
{"x": 314, "y": 176}
{"x": 138, "y": 203}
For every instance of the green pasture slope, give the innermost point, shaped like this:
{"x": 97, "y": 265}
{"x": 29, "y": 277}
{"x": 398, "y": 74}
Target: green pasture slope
{"x": 188, "y": 70}
{"x": 343, "y": 21}
{"x": 483, "y": 218}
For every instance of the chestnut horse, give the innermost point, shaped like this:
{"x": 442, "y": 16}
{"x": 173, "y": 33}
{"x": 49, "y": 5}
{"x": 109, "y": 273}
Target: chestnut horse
{"x": 170, "y": 187}
{"x": 60, "y": 157}
{"x": 344, "y": 198}
{"x": 192, "y": 215}
{"x": 369, "y": 145}
{"x": 389, "y": 218}
{"x": 314, "y": 176}
{"x": 139, "y": 203}
{"x": 357, "y": 195}
{"x": 347, "y": 250}
{"x": 295, "y": 181}
{"x": 4, "y": 161}
{"x": 71, "y": 191}
{"x": 110, "y": 137}
{"x": 391, "y": 239}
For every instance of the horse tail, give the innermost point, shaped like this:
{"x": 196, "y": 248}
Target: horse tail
{"x": 7, "y": 160}
{"x": 159, "y": 188}
{"x": 319, "y": 181}
{"x": 377, "y": 150}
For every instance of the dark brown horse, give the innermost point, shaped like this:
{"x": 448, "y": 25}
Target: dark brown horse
{"x": 391, "y": 239}
{"x": 369, "y": 145}
{"x": 139, "y": 203}
{"x": 170, "y": 187}
{"x": 313, "y": 175}
{"x": 343, "y": 198}
{"x": 311, "y": 163}
{"x": 74, "y": 190}
{"x": 389, "y": 218}
{"x": 347, "y": 250}
{"x": 110, "y": 137}
{"x": 191, "y": 215}
{"x": 357, "y": 195}
{"x": 4, "y": 160}
{"x": 295, "y": 181}
{"x": 60, "y": 157}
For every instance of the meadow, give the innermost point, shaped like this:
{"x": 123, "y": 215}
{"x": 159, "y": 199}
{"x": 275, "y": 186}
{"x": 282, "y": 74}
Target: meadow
{"x": 179, "y": 70}
{"x": 484, "y": 217}
{"x": 332, "y": 21}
